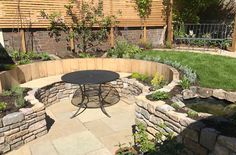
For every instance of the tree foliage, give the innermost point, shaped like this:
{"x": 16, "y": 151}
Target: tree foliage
{"x": 194, "y": 11}
{"x": 84, "y": 17}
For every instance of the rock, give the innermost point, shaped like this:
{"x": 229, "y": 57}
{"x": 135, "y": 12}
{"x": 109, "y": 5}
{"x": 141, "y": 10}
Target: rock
{"x": 186, "y": 121}
{"x": 208, "y": 138}
{"x": 228, "y": 142}
{"x": 3, "y": 129}
{"x": 13, "y": 118}
{"x": 231, "y": 96}
{"x": 220, "y": 150}
{"x": 219, "y": 93}
{"x": 178, "y": 101}
{"x": 164, "y": 108}
{"x": 29, "y": 139}
{"x": 188, "y": 94}
{"x": 205, "y": 92}
{"x": 10, "y": 132}
{"x": 191, "y": 134}
{"x": 41, "y": 133}
{"x": 193, "y": 89}
{"x": 155, "y": 120}
{"x": 16, "y": 145}
{"x": 195, "y": 147}
{"x": 4, "y": 148}
{"x": 2, "y": 139}
{"x": 145, "y": 113}
{"x": 26, "y": 111}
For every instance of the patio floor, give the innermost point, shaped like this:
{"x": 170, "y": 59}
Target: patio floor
{"x": 90, "y": 133}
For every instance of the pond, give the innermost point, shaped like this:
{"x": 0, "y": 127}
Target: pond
{"x": 212, "y": 106}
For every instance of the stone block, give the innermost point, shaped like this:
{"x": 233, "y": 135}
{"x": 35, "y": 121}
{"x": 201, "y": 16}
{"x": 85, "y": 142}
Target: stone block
{"x": 12, "y": 131}
{"x": 231, "y": 96}
{"x": 2, "y": 139}
{"x": 32, "y": 137}
{"x": 4, "y": 148}
{"x": 3, "y": 129}
{"x": 16, "y": 125}
{"x": 23, "y": 127}
{"x": 38, "y": 107}
{"x": 145, "y": 113}
{"x": 220, "y": 150}
{"x": 229, "y": 142}
{"x": 16, "y": 145}
{"x": 196, "y": 148}
{"x": 219, "y": 93}
{"x": 205, "y": 92}
{"x": 156, "y": 120}
{"x": 16, "y": 135}
{"x": 164, "y": 108}
{"x": 37, "y": 125}
{"x": 208, "y": 138}
{"x": 188, "y": 94}
{"x": 15, "y": 140}
{"x": 41, "y": 133}
{"x": 191, "y": 134}
{"x": 13, "y": 118}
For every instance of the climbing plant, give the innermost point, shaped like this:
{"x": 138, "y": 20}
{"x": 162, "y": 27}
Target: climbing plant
{"x": 143, "y": 7}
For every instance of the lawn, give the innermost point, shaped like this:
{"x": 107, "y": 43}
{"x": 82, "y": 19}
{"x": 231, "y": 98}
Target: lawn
{"x": 213, "y": 71}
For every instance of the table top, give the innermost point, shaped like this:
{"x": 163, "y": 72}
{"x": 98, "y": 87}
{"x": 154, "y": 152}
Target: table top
{"x": 90, "y": 77}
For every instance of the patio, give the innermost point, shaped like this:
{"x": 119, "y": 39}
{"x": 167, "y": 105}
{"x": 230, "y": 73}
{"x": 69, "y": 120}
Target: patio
{"x": 91, "y": 132}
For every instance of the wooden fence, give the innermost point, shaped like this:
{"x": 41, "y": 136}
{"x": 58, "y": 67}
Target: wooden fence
{"x": 26, "y": 13}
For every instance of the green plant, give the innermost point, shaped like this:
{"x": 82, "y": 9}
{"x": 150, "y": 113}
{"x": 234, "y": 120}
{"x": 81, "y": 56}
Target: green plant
{"x": 123, "y": 49}
{"x": 6, "y": 93}
{"x": 82, "y": 27}
{"x": 184, "y": 83}
{"x": 159, "y": 95}
{"x": 143, "y": 7}
{"x": 157, "y": 81}
{"x": 142, "y": 140}
{"x": 192, "y": 114}
{"x": 146, "y": 45}
{"x": 175, "y": 105}
{"x": 44, "y": 56}
{"x": 3, "y": 106}
{"x": 141, "y": 77}
{"x": 17, "y": 90}
{"x": 20, "y": 101}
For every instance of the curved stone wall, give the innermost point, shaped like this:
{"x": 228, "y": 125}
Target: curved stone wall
{"x": 25, "y": 73}
{"x": 195, "y": 135}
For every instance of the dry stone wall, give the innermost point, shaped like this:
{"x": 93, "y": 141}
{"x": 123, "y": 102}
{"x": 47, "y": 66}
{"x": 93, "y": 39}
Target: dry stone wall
{"x": 24, "y": 126}
{"x": 197, "y": 138}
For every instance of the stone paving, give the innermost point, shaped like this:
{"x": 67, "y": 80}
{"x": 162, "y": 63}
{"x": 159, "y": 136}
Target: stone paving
{"x": 90, "y": 133}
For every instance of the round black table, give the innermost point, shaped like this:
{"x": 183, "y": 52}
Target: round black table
{"x": 89, "y": 77}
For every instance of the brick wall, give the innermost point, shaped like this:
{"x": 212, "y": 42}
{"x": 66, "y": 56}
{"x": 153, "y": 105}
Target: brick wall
{"x": 39, "y": 40}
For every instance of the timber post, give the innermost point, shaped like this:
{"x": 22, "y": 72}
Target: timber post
{"x": 169, "y": 22}
{"x": 234, "y": 37}
{"x": 112, "y": 38}
{"x": 23, "y": 43}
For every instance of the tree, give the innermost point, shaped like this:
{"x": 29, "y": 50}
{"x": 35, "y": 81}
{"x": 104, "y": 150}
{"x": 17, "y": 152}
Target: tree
{"x": 84, "y": 16}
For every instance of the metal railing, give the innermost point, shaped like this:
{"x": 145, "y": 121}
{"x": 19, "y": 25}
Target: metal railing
{"x": 203, "y": 35}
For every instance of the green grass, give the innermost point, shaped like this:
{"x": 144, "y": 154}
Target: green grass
{"x": 213, "y": 71}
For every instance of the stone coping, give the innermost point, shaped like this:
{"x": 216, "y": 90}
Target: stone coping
{"x": 25, "y": 73}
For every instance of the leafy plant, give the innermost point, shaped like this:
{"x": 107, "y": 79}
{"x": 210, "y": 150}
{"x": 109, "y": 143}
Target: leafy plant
{"x": 145, "y": 45}
{"x": 143, "y": 7}
{"x": 17, "y": 90}
{"x": 159, "y": 95}
{"x": 175, "y": 105}
{"x": 3, "y": 106}
{"x": 81, "y": 27}
{"x": 20, "y": 101}
{"x": 125, "y": 150}
{"x": 184, "y": 83}
{"x": 141, "y": 77}
{"x": 192, "y": 113}
{"x": 157, "y": 81}
{"x": 7, "y": 93}
{"x": 123, "y": 49}
{"x": 44, "y": 56}
{"x": 142, "y": 140}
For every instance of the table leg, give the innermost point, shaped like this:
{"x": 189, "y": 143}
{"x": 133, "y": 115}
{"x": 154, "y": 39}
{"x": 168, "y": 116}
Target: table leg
{"x": 101, "y": 100}
{"x": 82, "y": 89}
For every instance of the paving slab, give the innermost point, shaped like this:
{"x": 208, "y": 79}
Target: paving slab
{"x": 100, "y": 152}
{"x": 43, "y": 148}
{"x": 77, "y": 144}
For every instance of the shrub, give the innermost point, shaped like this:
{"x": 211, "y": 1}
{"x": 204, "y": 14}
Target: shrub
{"x": 20, "y": 101}
{"x": 141, "y": 77}
{"x": 123, "y": 50}
{"x": 160, "y": 95}
{"x": 157, "y": 81}
{"x": 3, "y": 106}
{"x": 85, "y": 55}
{"x": 44, "y": 56}
{"x": 192, "y": 114}
{"x": 17, "y": 90}
{"x": 184, "y": 83}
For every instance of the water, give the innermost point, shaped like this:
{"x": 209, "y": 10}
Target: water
{"x": 212, "y": 106}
